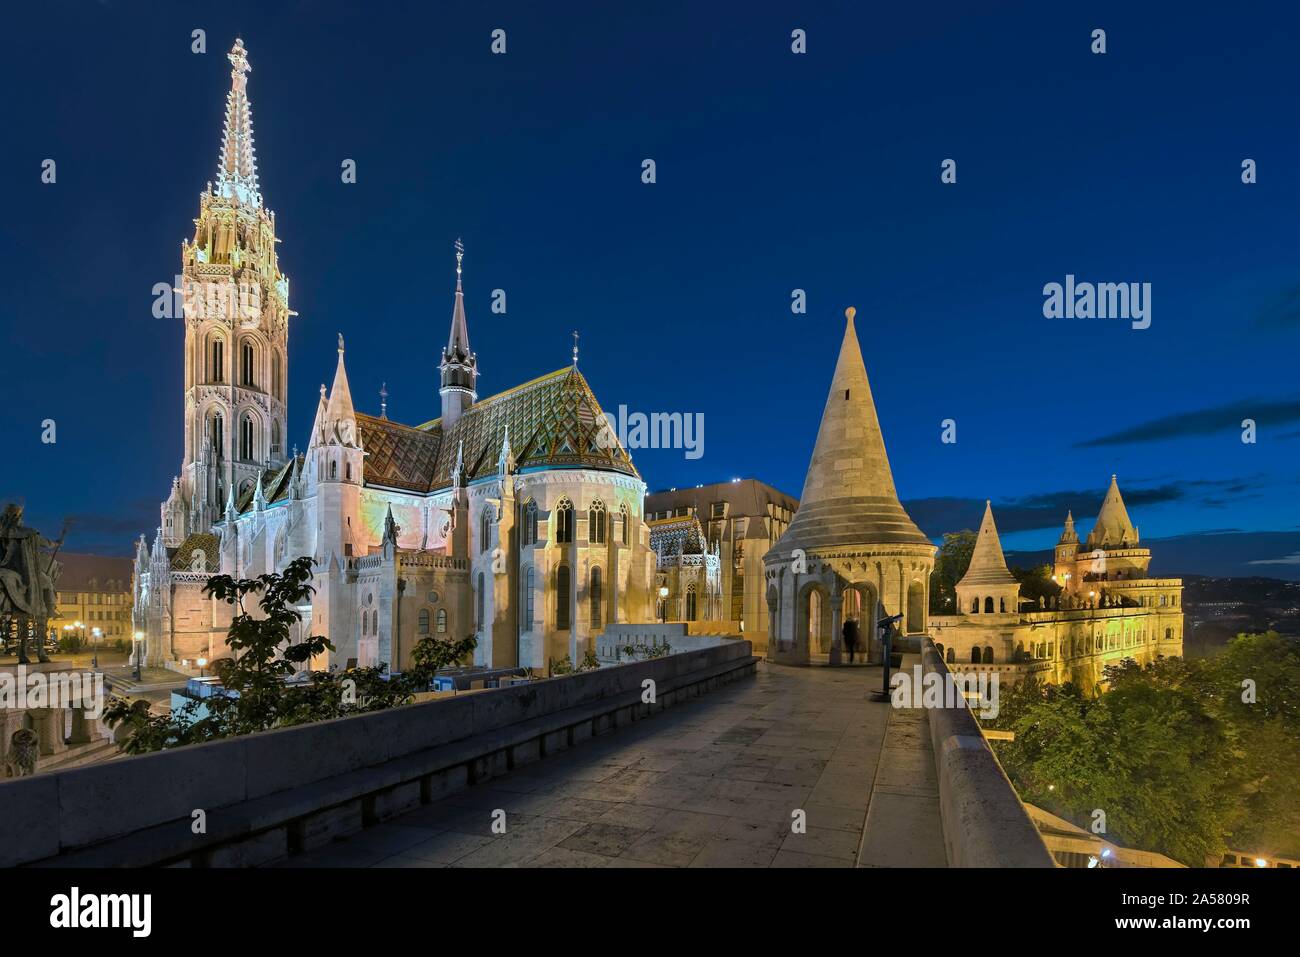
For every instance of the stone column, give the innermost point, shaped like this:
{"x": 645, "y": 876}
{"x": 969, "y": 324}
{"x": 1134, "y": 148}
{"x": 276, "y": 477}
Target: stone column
{"x": 84, "y": 729}
{"x": 837, "y": 614}
{"x": 49, "y": 729}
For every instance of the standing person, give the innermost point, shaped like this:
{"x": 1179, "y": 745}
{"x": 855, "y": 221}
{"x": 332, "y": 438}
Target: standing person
{"x": 850, "y": 634}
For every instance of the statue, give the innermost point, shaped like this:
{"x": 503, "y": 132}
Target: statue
{"x": 20, "y": 759}
{"x": 27, "y": 579}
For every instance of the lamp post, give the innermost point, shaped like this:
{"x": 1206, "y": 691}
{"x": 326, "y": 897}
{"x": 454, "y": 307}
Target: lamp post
{"x": 137, "y": 645}
{"x": 663, "y": 604}
{"x": 202, "y": 663}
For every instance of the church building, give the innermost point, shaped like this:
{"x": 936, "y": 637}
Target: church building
{"x": 513, "y": 517}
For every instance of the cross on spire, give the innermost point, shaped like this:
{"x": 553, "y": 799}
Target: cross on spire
{"x": 383, "y": 400}
{"x": 575, "y": 348}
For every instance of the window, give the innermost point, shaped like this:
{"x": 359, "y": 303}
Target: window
{"x": 594, "y": 593}
{"x": 690, "y": 602}
{"x": 719, "y": 510}
{"x": 442, "y": 621}
{"x": 480, "y": 600}
{"x": 275, "y": 437}
{"x": 528, "y": 599}
{"x": 530, "y": 523}
{"x": 216, "y": 433}
{"x": 562, "y": 598}
{"x": 974, "y": 606}
{"x": 424, "y": 621}
{"x": 484, "y": 529}
{"x": 246, "y": 363}
{"x": 276, "y": 383}
{"x": 596, "y": 523}
{"x": 564, "y": 523}
{"x": 216, "y": 359}
{"x": 626, "y": 524}
{"x": 246, "y": 447}
{"x": 988, "y": 605}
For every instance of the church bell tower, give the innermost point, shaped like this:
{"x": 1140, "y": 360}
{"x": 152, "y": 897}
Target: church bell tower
{"x": 236, "y": 307}
{"x": 459, "y": 367}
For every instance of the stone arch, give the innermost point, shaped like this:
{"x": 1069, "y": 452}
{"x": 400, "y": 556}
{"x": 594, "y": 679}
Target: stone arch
{"x": 988, "y": 604}
{"x": 988, "y": 654}
{"x": 813, "y": 618}
{"x": 915, "y": 607}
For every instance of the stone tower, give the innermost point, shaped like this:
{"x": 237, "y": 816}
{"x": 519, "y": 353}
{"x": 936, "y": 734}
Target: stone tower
{"x": 236, "y": 305}
{"x": 988, "y": 587}
{"x": 459, "y": 367}
{"x": 851, "y": 550}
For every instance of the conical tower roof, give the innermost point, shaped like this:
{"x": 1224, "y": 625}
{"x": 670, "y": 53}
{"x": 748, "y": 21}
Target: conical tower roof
{"x": 988, "y": 566}
{"x": 1113, "y": 527}
{"x": 848, "y": 495}
{"x": 340, "y": 416}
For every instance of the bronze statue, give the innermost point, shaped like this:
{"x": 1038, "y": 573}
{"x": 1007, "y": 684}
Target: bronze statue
{"x": 28, "y": 573}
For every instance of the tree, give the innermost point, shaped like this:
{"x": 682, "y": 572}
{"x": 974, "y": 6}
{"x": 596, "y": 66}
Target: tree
{"x": 256, "y": 693}
{"x": 1036, "y": 582}
{"x": 1176, "y": 753}
{"x": 950, "y": 565}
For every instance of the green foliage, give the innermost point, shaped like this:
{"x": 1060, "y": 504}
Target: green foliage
{"x": 255, "y": 695}
{"x": 561, "y": 666}
{"x": 589, "y": 662}
{"x": 654, "y": 650}
{"x": 1036, "y": 582}
{"x": 950, "y": 564}
{"x": 1171, "y": 753}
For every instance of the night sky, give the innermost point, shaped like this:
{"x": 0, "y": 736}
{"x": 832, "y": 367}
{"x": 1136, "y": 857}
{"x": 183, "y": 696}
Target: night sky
{"x": 775, "y": 172}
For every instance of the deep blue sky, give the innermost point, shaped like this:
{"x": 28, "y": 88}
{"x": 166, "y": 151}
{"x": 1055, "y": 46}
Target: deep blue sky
{"x": 775, "y": 171}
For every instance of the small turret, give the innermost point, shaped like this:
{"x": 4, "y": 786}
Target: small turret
{"x": 459, "y": 366}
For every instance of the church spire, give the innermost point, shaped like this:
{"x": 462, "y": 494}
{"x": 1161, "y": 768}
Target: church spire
{"x": 459, "y": 366}
{"x": 1068, "y": 535}
{"x": 340, "y": 416}
{"x": 237, "y": 164}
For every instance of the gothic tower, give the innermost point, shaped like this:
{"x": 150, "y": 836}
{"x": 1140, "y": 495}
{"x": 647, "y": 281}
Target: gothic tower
{"x": 236, "y": 304}
{"x": 459, "y": 367}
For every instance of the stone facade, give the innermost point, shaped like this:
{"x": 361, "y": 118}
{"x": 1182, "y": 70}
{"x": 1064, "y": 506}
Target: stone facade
{"x": 1108, "y": 608}
{"x": 513, "y": 518}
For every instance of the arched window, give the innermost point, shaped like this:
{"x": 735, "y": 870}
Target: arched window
{"x": 975, "y": 656}
{"x": 216, "y": 359}
{"x": 424, "y": 621}
{"x": 374, "y": 622}
{"x": 626, "y": 524}
{"x": 690, "y": 602}
{"x": 564, "y": 522}
{"x": 480, "y": 601}
{"x": 938, "y": 646}
{"x": 974, "y": 606}
{"x": 334, "y": 470}
{"x": 596, "y": 523}
{"x": 277, "y": 385}
{"x": 562, "y": 598}
{"x": 528, "y": 595}
{"x": 365, "y": 621}
{"x": 1164, "y": 600}
{"x": 594, "y": 593}
{"x": 247, "y": 368}
{"x": 988, "y": 605}
{"x": 484, "y": 529}
{"x": 1002, "y": 605}
{"x": 442, "y": 621}
{"x": 247, "y": 449}
{"x": 951, "y": 657}
{"x": 275, "y": 437}
{"x": 530, "y": 523}
{"x": 988, "y": 654}
{"x": 216, "y": 433}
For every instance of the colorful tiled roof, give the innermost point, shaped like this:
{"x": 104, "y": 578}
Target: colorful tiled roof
{"x": 275, "y": 486}
{"x": 205, "y": 542}
{"x": 554, "y": 422}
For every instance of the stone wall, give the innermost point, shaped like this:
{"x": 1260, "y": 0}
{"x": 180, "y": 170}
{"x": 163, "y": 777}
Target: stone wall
{"x": 984, "y": 822}
{"x": 267, "y": 795}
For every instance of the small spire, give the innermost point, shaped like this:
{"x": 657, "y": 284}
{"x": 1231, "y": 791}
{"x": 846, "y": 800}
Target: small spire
{"x": 383, "y": 400}
{"x": 460, "y": 256}
{"x": 575, "y": 348}
{"x": 849, "y": 313}
{"x": 340, "y": 345}
{"x": 237, "y": 164}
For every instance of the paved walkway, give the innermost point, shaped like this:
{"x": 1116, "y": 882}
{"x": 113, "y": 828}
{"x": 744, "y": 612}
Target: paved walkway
{"x": 713, "y": 782}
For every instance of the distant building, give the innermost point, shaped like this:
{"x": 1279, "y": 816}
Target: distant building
{"x": 738, "y": 522}
{"x": 94, "y": 593}
{"x": 1109, "y": 608}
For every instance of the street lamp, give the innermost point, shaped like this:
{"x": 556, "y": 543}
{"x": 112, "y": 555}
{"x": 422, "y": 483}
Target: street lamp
{"x": 137, "y": 645}
{"x": 663, "y": 604}
{"x": 202, "y": 663}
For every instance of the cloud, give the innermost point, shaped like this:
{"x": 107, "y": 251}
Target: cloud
{"x": 1221, "y": 418}
{"x": 1047, "y": 509}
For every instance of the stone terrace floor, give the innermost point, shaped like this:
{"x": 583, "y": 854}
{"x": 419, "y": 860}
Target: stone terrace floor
{"x": 711, "y": 782}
